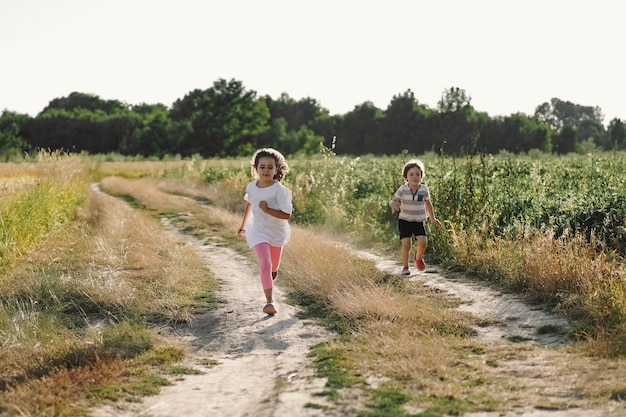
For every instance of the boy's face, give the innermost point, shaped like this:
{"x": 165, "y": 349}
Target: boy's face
{"x": 413, "y": 176}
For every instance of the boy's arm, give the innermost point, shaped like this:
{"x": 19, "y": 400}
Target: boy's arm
{"x": 431, "y": 213}
{"x": 395, "y": 205}
{"x": 395, "y": 202}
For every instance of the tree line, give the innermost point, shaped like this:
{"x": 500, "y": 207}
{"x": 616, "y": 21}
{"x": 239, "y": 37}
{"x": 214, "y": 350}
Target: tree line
{"x": 228, "y": 120}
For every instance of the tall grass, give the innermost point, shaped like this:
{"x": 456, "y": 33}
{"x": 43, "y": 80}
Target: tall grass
{"x": 552, "y": 229}
{"x": 39, "y": 196}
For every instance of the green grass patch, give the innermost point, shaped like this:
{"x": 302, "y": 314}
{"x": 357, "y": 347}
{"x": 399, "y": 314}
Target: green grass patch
{"x": 316, "y": 406}
{"x": 386, "y": 402}
{"x": 331, "y": 394}
{"x": 333, "y": 364}
{"x": 127, "y": 340}
{"x": 183, "y": 370}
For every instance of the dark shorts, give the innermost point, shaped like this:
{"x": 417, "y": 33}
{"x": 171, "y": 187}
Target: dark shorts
{"x": 408, "y": 229}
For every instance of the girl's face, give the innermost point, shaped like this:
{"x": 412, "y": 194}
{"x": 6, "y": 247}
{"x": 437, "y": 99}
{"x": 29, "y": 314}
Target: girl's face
{"x": 414, "y": 176}
{"x": 266, "y": 168}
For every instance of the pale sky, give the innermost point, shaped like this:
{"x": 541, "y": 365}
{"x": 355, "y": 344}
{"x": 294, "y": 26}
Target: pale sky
{"x": 508, "y": 55}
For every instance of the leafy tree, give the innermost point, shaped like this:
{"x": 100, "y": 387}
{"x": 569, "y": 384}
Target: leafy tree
{"x": 592, "y": 129}
{"x": 559, "y": 113}
{"x": 225, "y": 120}
{"x": 359, "y": 130}
{"x": 565, "y": 140}
{"x": 185, "y": 108}
{"x": 275, "y": 135}
{"x": 88, "y": 102}
{"x": 81, "y": 122}
{"x": 453, "y": 99}
{"x": 302, "y": 141}
{"x": 228, "y": 120}
{"x": 296, "y": 114}
{"x": 516, "y": 133}
{"x": 154, "y": 133}
{"x": 456, "y": 121}
{"x": 11, "y": 131}
{"x": 617, "y": 134}
{"x": 403, "y": 126}
{"x": 534, "y": 134}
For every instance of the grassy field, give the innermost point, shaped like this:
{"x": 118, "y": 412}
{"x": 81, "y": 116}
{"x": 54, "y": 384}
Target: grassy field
{"x": 85, "y": 277}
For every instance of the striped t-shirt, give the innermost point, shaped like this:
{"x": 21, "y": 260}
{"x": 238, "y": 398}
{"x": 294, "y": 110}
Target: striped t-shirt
{"x": 412, "y": 207}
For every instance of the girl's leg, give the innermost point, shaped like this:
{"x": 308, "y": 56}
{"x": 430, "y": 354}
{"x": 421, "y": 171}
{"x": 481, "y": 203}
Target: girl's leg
{"x": 276, "y": 253}
{"x": 406, "y": 248}
{"x": 265, "y": 264}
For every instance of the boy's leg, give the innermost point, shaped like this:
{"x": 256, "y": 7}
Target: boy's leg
{"x": 406, "y": 249}
{"x": 422, "y": 243}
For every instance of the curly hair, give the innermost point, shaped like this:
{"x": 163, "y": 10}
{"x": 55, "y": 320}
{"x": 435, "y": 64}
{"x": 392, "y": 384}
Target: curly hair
{"x": 281, "y": 164}
{"x": 412, "y": 164}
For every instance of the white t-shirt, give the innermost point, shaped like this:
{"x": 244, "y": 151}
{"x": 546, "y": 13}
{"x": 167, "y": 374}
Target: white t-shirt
{"x": 262, "y": 227}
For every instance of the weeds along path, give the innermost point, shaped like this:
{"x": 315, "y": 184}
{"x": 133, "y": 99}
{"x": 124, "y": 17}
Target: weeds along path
{"x": 527, "y": 352}
{"x": 505, "y": 317}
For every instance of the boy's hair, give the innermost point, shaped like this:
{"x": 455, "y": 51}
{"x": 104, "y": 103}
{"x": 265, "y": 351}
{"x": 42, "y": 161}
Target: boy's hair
{"x": 281, "y": 163}
{"x": 412, "y": 164}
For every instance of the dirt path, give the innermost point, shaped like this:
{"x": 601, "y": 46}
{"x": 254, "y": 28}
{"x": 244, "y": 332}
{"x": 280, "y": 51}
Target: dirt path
{"x": 506, "y": 317}
{"x": 258, "y": 366}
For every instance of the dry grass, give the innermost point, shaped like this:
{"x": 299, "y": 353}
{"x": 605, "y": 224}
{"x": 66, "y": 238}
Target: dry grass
{"x": 227, "y": 196}
{"x": 403, "y": 330}
{"x": 75, "y": 296}
{"x": 153, "y": 169}
{"x": 144, "y": 192}
{"x": 405, "y": 334}
{"x": 60, "y": 392}
{"x": 156, "y": 265}
{"x": 178, "y": 199}
{"x": 119, "y": 259}
{"x": 569, "y": 273}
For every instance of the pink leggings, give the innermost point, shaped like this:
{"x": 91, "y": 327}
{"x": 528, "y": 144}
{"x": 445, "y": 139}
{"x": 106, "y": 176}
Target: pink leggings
{"x": 269, "y": 260}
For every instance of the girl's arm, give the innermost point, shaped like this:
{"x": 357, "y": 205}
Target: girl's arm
{"x": 273, "y": 212}
{"x": 242, "y": 229}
